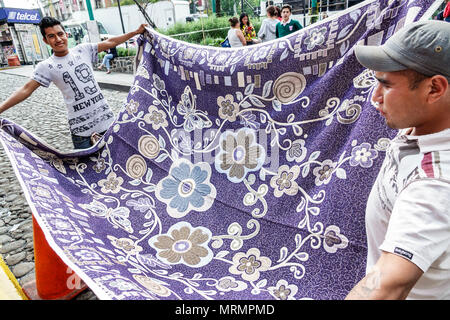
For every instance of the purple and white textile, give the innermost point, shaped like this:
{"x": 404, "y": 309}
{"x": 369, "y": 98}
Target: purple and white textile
{"x": 231, "y": 173}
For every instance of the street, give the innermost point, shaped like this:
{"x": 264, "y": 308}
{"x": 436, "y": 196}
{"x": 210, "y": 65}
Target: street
{"x": 43, "y": 114}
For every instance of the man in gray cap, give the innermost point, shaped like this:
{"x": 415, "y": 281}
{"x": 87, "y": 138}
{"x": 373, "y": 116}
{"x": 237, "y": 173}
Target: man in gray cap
{"x": 408, "y": 210}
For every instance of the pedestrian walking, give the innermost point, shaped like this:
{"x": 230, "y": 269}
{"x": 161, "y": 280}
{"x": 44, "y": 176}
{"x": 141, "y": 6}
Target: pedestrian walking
{"x": 407, "y": 216}
{"x": 89, "y": 114}
{"x": 287, "y": 25}
{"x": 268, "y": 28}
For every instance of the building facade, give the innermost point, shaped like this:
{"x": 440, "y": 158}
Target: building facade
{"x": 64, "y": 9}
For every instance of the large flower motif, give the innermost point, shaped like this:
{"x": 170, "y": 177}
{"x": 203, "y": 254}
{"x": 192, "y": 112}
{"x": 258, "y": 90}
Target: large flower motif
{"x": 324, "y": 172}
{"x": 249, "y": 265}
{"x": 284, "y": 181}
{"x": 156, "y": 118}
{"x": 183, "y": 244}
{"x": 228, "y": 109}
{"x": 283, "y": 290}
{"x": 334, "y": 239}
{"x": 297, "y": 151}
{"x": 239, "y": 154}
{"x": 363, "y": 155}
{"x": 316, "y": 38}
{"x": 125, "y": 244}
{"x": 111, "y": 184}
{"x": 153, "y": 285}
{"x": 288, "y": 86}
{"x": 186, "y": 188}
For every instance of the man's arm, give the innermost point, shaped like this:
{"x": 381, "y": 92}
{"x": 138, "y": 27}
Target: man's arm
{"x": 19, "y": 95}
{"x": 115, "y": 41}
{"x": 392, "y": 278}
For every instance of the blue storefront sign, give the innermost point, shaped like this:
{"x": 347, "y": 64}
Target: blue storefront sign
{"x": 13, "y": 15}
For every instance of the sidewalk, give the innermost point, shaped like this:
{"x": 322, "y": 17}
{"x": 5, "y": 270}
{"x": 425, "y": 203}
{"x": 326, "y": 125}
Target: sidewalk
{"x": 114, "y": 80}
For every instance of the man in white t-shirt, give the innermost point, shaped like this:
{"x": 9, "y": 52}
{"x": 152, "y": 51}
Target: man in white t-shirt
{"x": 71, "y": 70}
{"x": 408, "y": 210}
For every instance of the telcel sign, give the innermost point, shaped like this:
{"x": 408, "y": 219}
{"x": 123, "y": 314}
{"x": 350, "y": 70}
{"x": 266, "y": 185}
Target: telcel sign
{"x": 22, "y": 16}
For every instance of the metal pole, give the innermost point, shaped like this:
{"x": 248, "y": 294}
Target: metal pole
{"x": 121, "y": 21}
{"x": 89, "y": 9}
{"x": 304, "y": 13}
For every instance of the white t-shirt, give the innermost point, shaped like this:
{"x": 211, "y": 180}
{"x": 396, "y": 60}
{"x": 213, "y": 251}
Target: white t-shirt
{"x": 233, "y": 38}
{"x": 408, "y": 211}
{"x": 87, "y": 108}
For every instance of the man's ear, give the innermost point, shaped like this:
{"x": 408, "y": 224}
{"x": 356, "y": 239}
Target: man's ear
{"x": 45, "y": 40}
{"x": 438, "y": 88}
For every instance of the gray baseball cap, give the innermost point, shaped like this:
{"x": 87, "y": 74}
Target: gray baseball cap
{"x": 423, "y": 46}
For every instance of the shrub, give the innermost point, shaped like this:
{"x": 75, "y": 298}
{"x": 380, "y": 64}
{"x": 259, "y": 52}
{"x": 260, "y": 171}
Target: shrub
{"x": 212, "y": 37}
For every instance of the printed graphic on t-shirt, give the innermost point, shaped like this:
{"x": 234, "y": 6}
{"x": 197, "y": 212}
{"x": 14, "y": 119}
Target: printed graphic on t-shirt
{"x": 87, "y": 109}
{"x": 83, "y": 74}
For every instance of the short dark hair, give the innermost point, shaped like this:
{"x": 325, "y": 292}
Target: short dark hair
{"x": 48, "y": 22}
{"x": 233, "y": 21}
{"x": 287, "y": 6}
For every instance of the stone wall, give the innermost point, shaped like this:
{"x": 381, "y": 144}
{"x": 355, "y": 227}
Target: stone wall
{"x": 121, "y": 64}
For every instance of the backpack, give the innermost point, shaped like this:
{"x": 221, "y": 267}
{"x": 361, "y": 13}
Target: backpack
{"x": 225, "y": 43}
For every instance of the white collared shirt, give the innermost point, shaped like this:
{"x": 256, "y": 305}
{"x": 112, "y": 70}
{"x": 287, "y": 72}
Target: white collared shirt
{"x": 285, "y": 23}
{"x": 408, "y": 210}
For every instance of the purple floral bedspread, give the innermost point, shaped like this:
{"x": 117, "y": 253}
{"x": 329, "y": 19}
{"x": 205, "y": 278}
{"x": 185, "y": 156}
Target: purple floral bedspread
{"x": 231, "y": 173}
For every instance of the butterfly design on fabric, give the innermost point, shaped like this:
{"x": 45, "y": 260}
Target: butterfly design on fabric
{"x": 118, "y": 217}
{"x": 366, "y": 80}
{"x": 193, "y": 118}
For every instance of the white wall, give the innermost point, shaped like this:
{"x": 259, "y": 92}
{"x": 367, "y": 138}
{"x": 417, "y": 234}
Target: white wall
{"x": 162, "y": 13}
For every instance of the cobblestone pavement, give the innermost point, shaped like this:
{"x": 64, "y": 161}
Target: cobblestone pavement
{"x": 43, "y": 114}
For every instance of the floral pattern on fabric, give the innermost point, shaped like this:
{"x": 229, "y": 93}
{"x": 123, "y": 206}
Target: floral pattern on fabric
{"x": 228, "y": 173}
